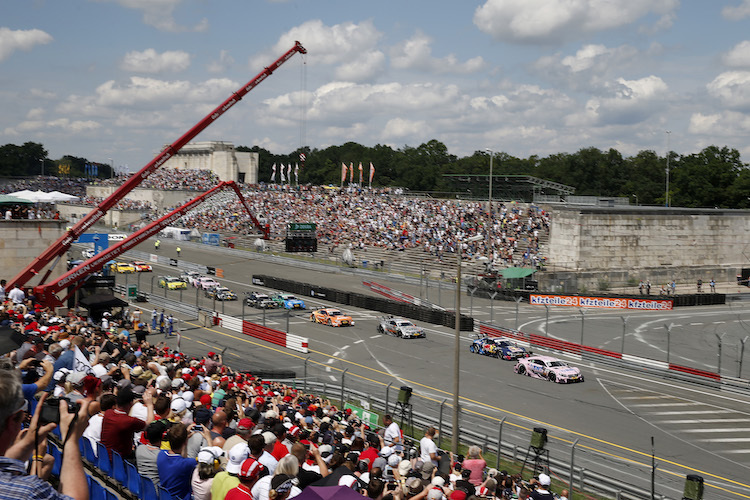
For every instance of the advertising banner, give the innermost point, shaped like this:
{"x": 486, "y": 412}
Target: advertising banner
{"x": 601, "y": 302}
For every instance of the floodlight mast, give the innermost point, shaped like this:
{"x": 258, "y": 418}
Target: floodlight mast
{"x": 59, "y": 247}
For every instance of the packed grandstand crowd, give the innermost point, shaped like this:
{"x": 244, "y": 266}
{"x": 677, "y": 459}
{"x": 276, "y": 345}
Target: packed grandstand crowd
{"x": 380, "y": 217}
{"x": 195, "y": 427}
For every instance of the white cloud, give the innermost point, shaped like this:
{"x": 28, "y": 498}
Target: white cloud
{"x": 14, "y": 40}
{"x": 337, "y": 44}
{"x": 546, "y": 21}
{"x": 739, "y": 56}
{"x": 149, "y": 61}
{"x": 416, "y": 53}
{"x": 724, "y": 124}
{"x": 737, "y": 12}
{"x": 160, "y": 15}
{"x": 367, "y": 67}
{"x": 143, "y": 92}
{"x": 403, "y": 129}
{"x": 224, "y": 62}
{"x": 732, "y": 88}
{"x": 58, "y": 125}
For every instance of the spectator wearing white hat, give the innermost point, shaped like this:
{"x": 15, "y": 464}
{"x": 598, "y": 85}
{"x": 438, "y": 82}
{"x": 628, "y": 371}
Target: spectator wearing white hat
{"x": 250, "y": 471}
{"x": 543, "y": 490}
{"x": 209, "y": 464}
{"x": 228, "y": 479}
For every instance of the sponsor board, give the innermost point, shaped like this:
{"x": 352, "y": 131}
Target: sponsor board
{"x": 601, "y": 302}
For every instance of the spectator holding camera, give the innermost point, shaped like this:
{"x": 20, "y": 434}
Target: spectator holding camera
{"x": 476, "y": 464}
{"x": 17, "y": 445}
{"x": 176, "y": 470}
{"x": 119, "y": 428}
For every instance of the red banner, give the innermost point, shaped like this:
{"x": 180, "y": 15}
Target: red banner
{"x": 601, "y": 302}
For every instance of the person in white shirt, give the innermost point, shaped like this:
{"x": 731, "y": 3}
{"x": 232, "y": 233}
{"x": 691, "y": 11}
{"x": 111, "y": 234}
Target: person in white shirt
{"x": 16, "y": 295}
{"x": 428, "y": 448}
{"x": 392, "y": 434}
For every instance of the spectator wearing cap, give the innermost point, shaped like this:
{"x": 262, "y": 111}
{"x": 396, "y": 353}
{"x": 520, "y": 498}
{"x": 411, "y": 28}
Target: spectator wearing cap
{"x": 464, "y": 484}
{"x": 371, "y": 451}
{"x": 242, "y": 433}
{"x": 288, "y": 467}
{"x": 542, "y": 492}
{"x": 292, "y": 435}
{"x": 260, "y": 444}
{"x": 427, "y": 471}
{"x": 198, "y": 440}
{"x": 229, "y": 478}
{"x": 118, "y": 428}
{"x": 209, "y": 465}
{"x": 74, "y": 386}
{"x": 475, "y": 463}
{"x": 147, "y": 454}
{"x": 249, "y": 473}
{"x": 212, "y": 363}
{"x": 176, "y": 470}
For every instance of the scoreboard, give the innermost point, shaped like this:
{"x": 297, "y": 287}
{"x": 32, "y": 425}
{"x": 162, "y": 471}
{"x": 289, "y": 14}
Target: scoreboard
{"x": 301, "y": 237}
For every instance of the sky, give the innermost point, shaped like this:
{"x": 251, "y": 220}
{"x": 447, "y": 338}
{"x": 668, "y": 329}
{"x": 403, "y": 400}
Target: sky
{"x": 114, "y": 81}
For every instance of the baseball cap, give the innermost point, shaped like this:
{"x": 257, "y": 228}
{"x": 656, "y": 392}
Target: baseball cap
{"x": 404, "y": 467}
{"x": 435, "y": 494}
{"x": 347, "y": 480}
{"x": 76, "y": 378}
{"x": 544, "y": 480}
{"x": 245, "y": 423}
{"x": 325, "y": 450}
{"x": 386, "y": 451}
{"x": 201, "y": 415}
{"x": 178, "y": 405}
{"x": 294, "y": 430}
{"x": 236, "y": 458}
{"x": 208, "y": 454}
{"x": 427, "y": 468}
{"x": 394, "y": 460}
{"x": 269, "y": 437}
{"x": 458, "y": 495}
{"x": 65, "y": 344}
{"x": 250, "y": 468}
{"x": 438, "y": 481}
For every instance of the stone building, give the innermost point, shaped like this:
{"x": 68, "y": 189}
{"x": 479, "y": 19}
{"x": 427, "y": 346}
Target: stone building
{"x": 220, "y": 157}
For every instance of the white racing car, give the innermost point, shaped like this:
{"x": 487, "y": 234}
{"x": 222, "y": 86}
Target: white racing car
{"x": 547, "y": 367}
{"x": 400, "y": 327}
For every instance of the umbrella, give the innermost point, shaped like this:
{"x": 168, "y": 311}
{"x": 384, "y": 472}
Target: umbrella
{"x": 6, "y": 198}
{"x": 58, "y": 196}
{"x": 328, "y": 493}
{"x": 34, "y": 196}
{"x": 22, "y": 194}
{"x": 10, "y": 339}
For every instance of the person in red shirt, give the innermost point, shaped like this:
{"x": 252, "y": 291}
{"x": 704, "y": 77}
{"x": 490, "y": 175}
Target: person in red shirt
{"x": 372, "y": 451}
{"x": 118, "y": 428}
{"x": 279, "y": 448}
{"x": 250, "y": 472}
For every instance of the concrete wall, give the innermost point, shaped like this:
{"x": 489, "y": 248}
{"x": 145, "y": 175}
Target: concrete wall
{"x": 21, "y": 241}
{"x": 616, "y": 245}
{"x": 160, "y": 199}
{"x": 219, "y": 157}
{"x": 113, "y": 218}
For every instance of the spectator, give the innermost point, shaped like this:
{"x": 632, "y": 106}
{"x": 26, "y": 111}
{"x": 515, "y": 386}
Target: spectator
{"x": 428, "y": 448}
{"x": 93, "y": 431}
{"x": 279, "y": 448}
{"x": 203, "y": 475}
{"x": 391, "y": 433}
{"x": 118, "y": 428}
{"x": 146, "y": 455}
{"x": 229, "y": 478}
{"x": 15, "y": 481}
{"x": 476, "y": 464}
{"x": 542, "y": 492}
{"x": 176, "y": 470}
{"x": 258, "y": 451}
{"x": 248, "y": 475}
{"x": 288, "y": 467}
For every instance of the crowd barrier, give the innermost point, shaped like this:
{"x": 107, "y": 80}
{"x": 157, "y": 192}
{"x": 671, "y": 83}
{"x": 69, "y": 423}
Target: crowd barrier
{"x": 389, "y": 306}
{"x": 260, "y": 332}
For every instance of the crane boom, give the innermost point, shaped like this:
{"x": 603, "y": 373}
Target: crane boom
{"x": 61, "y": 246}
{"x": 47, "y": 294}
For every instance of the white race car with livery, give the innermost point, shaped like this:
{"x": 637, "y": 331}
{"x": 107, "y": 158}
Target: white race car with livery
{"x": 400, "y": 327}
{"x": 547, "y": 367}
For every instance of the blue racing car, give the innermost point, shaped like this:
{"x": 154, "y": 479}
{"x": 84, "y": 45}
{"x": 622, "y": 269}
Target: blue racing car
{"x": 288, "y": 301}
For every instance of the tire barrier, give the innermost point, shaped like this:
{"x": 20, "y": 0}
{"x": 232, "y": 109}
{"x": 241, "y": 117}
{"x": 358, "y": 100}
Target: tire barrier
{"x": 362, "y": 301}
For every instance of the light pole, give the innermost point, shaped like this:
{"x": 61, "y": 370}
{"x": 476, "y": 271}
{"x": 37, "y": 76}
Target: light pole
{"x": 666, "y": 195}
{"x": 636, "y": 199}
{"x": 457, "y": 346}
{"x": 490, "y": 251}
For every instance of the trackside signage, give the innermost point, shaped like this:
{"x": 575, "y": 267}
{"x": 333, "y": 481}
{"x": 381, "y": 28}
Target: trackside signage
{"x": 601, "y": 302}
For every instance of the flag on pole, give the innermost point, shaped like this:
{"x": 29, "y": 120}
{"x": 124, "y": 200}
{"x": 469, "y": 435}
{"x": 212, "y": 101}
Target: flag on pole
{"x": 302, "y": 159}
{"x": 372, "y": 173}
{"x": 351, "y": 172}
{"x": 289, "y": 173}
{"x": 273, "y": 174}
{"x": 296, "y": 173}
{"x": 343, "y": 172}
{"x": 282, "y": 173}
{"x": 360, "y": 173}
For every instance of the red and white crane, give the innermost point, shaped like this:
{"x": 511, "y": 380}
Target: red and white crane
{"x": 58, "y": 248}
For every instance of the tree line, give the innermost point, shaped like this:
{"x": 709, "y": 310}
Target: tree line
{"x": 715, "y": 177}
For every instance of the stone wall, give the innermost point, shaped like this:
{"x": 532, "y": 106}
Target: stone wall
{"x": 160, "y": 199}
{"x": 617, "y": 245}
{"x": 114, "y": 218}
{"x": 21, "y": 241}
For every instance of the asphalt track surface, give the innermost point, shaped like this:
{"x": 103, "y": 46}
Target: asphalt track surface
{"x": 615, "y": 414}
